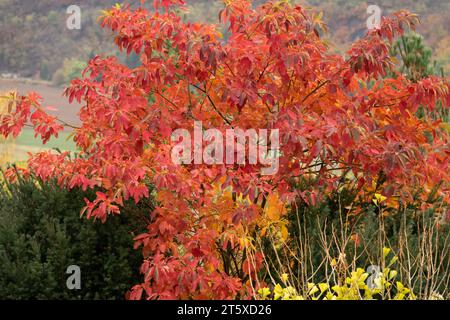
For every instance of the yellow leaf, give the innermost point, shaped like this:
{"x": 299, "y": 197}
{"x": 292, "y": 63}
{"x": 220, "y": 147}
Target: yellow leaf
{"x": 323, "y": 287}
{"x": 392, "y": 274}
{"x": 105, "y": 13}
{"x": 274, "y": 208}
{"x": 264, "y": 293}
{"x": 380, "y": 198}
{"x": 263, "y": 231}
{"x": 446, "y": 126}
{"x": 278, "y": 292}
{"x": 284, "y": 232}
{"x": 393, "y": 260}
{"x": 313, "y": 290}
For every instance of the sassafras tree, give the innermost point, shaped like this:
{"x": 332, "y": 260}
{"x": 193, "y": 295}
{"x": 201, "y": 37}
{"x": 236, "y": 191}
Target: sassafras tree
{"x": 340, "y": 119}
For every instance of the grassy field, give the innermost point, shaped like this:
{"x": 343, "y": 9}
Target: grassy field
{"x": 52, "y": 96}
{"x": 17, "y": 151}
{"x": 64, "y": 141}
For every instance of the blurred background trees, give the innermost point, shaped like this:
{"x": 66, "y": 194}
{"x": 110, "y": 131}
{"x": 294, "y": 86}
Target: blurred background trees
{"x": 415, "y": 58}
{"x": 35, "y": 42}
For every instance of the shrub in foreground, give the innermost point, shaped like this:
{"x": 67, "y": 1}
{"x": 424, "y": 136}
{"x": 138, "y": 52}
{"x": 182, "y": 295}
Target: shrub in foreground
{"x": 41, "y": 234}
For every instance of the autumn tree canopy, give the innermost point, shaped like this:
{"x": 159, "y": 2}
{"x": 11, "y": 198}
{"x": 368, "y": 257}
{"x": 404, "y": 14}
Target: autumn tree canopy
{"x": 341, "y": 121}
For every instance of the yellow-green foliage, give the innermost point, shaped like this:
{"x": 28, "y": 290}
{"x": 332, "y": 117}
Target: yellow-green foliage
{"x": 354, "y": 287}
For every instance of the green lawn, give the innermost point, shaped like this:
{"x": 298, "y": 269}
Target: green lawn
{"x": 26, "y": 142}
{"x": 63, "y": 142}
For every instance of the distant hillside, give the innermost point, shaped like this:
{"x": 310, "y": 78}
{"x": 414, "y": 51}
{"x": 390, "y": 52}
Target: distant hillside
{"x": 34, "y": 40}
{"x": 347, "y": 21}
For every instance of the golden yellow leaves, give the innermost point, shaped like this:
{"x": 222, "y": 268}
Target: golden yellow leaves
{"x": 220, "y": 192}
{"x": 379, "y": 199}
{"x": 108, "y": 13}
{"x": 373, "y": 193}
{"x": 274, "y": 211}
{"x": 284, "y": 231}
{"x": 274, "y": 208}
{"x": 268, "y": 219}
{"x": 446, "y": 126}
{"x": 264, "y": 293}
